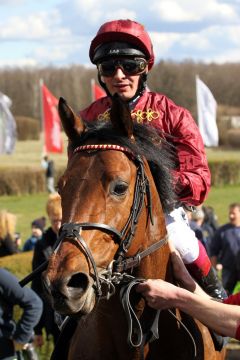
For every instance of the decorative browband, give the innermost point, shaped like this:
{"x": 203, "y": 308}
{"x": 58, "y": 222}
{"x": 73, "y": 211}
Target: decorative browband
{"x": 103, "y": 147}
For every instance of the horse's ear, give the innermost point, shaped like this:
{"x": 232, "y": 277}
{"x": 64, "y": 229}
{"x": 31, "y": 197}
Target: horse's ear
{"x": 120, "y": 116}
{"x": 72, "y": 124}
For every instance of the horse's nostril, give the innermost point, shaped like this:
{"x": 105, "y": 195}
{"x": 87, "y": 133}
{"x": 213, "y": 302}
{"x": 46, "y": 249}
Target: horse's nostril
{"x": 79, "y": 280}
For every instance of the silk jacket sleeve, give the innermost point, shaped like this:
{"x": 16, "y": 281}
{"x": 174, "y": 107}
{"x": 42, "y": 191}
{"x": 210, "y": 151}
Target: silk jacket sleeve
{"x": 192, "y": 177}
{"x": 234, "y": 300}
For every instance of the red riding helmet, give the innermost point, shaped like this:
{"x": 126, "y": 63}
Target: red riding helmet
{"x": 126, "y": 31}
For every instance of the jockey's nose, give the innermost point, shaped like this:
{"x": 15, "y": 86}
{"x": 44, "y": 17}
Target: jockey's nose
{"x": 119, "y": 73}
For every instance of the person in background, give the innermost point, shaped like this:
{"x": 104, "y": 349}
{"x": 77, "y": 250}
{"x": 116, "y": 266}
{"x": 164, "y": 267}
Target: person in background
{"x": 48, "y": 166}
{"x": 17, "y": 336}
{"x": 123, "y": 54}
{"x": 7, "y": 233}
{"x": 42, "y": 251}
{"x": 203, "y": 231}
{"x": 210, "y": 218}
{"x": 18, "y": 240}
{"x": 37, "y": 227}
{"x": 225, "y": 248}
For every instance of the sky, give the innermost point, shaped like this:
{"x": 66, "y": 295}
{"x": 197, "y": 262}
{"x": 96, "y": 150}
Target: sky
{"x": 58, "y": 32}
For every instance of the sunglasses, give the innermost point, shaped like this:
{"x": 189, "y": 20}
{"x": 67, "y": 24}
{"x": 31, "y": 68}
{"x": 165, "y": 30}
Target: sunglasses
{"x": 128, "y": 66}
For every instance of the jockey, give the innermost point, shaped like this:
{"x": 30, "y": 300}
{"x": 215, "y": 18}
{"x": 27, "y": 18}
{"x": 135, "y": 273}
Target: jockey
{"x": 123, "y": 53}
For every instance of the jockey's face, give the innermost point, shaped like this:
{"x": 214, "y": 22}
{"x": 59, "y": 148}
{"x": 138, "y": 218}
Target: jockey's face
{"x": 122, "y": 83}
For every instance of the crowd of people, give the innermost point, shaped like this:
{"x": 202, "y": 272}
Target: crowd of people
{"x": 123, "y": 54}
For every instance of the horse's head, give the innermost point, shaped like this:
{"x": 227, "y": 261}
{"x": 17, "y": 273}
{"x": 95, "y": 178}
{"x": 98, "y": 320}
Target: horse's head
{"x": 111, "y": 208}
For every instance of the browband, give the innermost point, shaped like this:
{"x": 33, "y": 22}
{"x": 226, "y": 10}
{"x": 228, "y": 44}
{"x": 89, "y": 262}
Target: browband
{"x": 103, "y": 147}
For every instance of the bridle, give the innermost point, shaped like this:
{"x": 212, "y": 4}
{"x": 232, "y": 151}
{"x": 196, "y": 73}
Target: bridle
{"x": 115, "y": 273}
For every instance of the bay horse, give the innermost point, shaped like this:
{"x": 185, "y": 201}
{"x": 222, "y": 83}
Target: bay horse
{"x": 114, "y": 193}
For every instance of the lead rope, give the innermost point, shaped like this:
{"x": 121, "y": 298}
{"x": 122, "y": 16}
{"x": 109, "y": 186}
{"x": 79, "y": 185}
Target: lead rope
{"x": 188, "y": 332}
{"x": 134, "y": 325}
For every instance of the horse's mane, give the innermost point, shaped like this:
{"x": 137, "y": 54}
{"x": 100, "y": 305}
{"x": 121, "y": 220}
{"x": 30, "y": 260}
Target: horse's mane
{"x": 148, "y": 143}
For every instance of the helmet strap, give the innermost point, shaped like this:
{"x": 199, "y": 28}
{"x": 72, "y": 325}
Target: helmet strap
{"x": 140, "y": 90}
{"x": 103, "y": 85}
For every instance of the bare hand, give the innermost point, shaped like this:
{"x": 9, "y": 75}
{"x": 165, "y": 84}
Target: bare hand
{"x": 159, "y": 294}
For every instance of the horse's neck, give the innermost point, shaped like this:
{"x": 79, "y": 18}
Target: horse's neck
{"x": 157, "y": 265}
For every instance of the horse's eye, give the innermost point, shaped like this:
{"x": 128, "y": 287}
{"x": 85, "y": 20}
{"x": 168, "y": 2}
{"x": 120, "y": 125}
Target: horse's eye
{"x": 119, "y": 188}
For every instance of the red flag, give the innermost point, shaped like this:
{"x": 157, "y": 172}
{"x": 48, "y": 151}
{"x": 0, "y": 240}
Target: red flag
{"x": 97, "y": 91}
{"x": 51, "y": 122}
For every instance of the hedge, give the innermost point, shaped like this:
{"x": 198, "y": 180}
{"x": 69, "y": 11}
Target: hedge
{"x": 225, "y": 173}
{"x": 27, "y": 128}
{"x": 32, "y": 180}
{"x": 24, "y": 181}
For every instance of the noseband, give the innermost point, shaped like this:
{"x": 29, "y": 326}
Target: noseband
{"x": 124, "y": 238}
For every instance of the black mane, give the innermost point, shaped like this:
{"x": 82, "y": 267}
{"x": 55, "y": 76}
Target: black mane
{"x": 148, "y": 143}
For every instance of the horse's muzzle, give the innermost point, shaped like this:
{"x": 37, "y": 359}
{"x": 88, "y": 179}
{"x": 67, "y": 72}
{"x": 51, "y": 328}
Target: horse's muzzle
{"x": 71, "y": 295}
